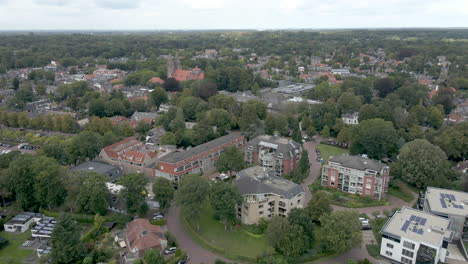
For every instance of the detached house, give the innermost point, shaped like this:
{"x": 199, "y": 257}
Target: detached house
{"x": 186, "y": 75}
{"x": 351, "y": 119}
{"x": 142, "y": 235}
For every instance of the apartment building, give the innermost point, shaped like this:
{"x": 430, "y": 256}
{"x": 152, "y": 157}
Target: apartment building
{"x": 266, "y": 195}
{"x": 450, "y": 204}
{"x": 199, "y": 159}
{"x": 413, "y": 236}
{"x": 279, "y": 154}
{"x": 131, "y": 155}
{"x": 356, "y": 174}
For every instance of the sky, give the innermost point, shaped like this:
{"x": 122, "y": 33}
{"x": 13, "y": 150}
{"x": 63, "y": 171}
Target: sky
{"x": 229, "y": 14}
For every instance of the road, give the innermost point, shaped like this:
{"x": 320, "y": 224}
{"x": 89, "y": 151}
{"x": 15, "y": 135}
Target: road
{"x": 314, "y": 172}
{"x": 197, "y": 253}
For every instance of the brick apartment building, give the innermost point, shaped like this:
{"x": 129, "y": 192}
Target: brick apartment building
{"x": 198, "y": 159}
{"x": 275, "y": 153}
{"x": 356, "y": 174}
{"x": 131, "y": 155}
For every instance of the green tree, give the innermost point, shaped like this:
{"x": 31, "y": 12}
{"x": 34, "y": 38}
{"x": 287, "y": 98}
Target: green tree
{"x": 153, "y": 256}
{"x": 168, "y": 139}
{"x": 276, "y": 123}
{"x": 224, "y": 199}
{"x": 325, "y": 132}
{"x": 302, "y": 218}
{"x": 134, "y": 192}
{"x": 92, "y": 196}
{"x": 435, "y": 117}
{"x": 192, "y": 196}
{"x": 319, "y": 205}
{"x": 420, "y": 162}
{"x": 304, "y": 162}
{"x": 348, "y": 103}
{"x": 288, "y": 239}
{"x": 454, "y": 141}
{"x": 66, "y": 245}
{"x": 340, "y": 231}
{"x": 376, "y": 138}
{"x": 232, "y": 159}
{"x": 158, "y": 96}
{"x": 163, "y": 192}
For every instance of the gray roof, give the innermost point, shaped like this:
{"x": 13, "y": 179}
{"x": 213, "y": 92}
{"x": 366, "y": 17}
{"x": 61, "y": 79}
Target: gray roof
{"x": 283, "y": 145}
{"x": 137, "y": 116}
{"x": 348, "y": 115}
{"x": 176, "y": 157}
{"x": 447, "y": 202}
{"x": 255, "y": 180}
{"x": 357, "y": 162}
{"x": 22, "y": 218}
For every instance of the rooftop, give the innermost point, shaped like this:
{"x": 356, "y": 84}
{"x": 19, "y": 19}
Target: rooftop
{"x": 357, "y": 162}
{"x": 176, "y": 157}
{"x": 447, "y": 202}
{"x": 22, "y": 218}
{"x": 418, "y": 226}
{"x": 94, "y": 166}
{"x": 282, "y": 145}
{"x": 256, "y": 180}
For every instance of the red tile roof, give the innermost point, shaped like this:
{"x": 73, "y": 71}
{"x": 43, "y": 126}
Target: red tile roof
{"x": 156, "y": 80}
{"x": 142, "y": 235}
{"x": 455, "y": 118}
{"x": 112, "y": 150}
{"x": 185, "y": 75}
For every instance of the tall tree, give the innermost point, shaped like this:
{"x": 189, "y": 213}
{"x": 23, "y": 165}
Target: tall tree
{"x": 385, "y": 86}
{"x": 134, "y": 192}
{"x": 454, "y": 141}
{"x": 224, "y": 199}
{"x": 232, "y": 159}
{"x": 92, "y": 196}
{"x": 376, "y": 138}
{"x": 192, "y": 196}
{"x": 288, "y": 239}
{"x": 163, "y": 190}
{"x": 67, "y": 247}
{"x": 153, "y": 256}
{"x": 340, "y": 231}
{"x": 420, "y": 163}
{"x": 319, "y": 205}
{"x": 158, "y": 97}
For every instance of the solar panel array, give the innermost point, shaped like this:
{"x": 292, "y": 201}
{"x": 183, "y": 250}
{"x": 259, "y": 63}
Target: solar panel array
{"x": 45, "y": 226}
{"x": 418, "y": 221}
{"x": 451, "y": 199}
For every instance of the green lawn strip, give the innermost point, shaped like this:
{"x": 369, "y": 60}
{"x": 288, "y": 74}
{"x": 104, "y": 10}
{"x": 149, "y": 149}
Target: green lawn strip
{"x": 233, "y": 244}
{"x": 12, "y": 252}
{"x": 401, "y": 190}
{"x": 326, "y": 151}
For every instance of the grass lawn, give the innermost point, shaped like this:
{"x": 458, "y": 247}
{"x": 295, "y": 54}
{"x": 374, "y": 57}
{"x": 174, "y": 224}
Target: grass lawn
{"x": 12, "y": 252}
{"x": 326, "y": 151}
{"x": 237, "y": 242}
{"x": 401, "y": 190}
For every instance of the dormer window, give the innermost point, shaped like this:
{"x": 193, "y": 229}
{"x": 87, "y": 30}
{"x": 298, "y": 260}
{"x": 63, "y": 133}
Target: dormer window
{"x": 250, "y": 147}
{"x": 280, "y": 155}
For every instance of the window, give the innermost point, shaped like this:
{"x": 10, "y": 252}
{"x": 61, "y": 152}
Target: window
{"x": 261, "y": 212}
{"x": 388, "y": 253}
{"x": 389, "y": 245}
{"x": 406, "y": 261}
{"x": 407, "y": 244}
{"x": 407, "y": 253}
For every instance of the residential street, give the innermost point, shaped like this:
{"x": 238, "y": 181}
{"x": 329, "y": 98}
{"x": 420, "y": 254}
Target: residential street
{"x": 314, "y": 170}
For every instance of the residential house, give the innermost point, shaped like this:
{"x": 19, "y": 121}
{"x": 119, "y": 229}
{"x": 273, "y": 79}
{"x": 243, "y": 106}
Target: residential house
{"x": 186, "y": 75}
{"x": 44, "y": 228}
{"x": 147, "y": 117}
{"x": 266, "y": 195}
{"x": 412, "y": 236}
{"x": 142, "y": 235}
{"x": 199, "y": 159}
{"x": 274, "y": 153}
{"x": 156, "y": 80}
{"x": 21, "y": 222}
{"x": 356, "y": 174}
{"x": 350, "y": 119}
{"x": 99, "y": 167}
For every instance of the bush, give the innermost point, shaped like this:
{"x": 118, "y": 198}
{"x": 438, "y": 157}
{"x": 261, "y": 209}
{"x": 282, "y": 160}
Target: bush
{"x": 171, "y": 242}
{"x": 373, "y": 250}
{"x": 159, "y": 222}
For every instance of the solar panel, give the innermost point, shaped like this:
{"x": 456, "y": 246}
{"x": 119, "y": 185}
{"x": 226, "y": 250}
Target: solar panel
{"x": 420, "y": 231}
{"x": 452, "y": 197}
{"x": 412, "y": 218}
{"x": 442, "y": 202}
{"x": 405, "y": 226}
{"x": 423, "y": 221}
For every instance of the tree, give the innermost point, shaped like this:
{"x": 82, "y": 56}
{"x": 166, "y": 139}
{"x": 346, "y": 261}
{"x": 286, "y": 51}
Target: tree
{"x": 232, "y": 159}
{"x": 288, "y": 239}
{"x": 420, "y": 162}
{"x": 302, "y": 218}
{"x": 168, "y": 139}
{"x": 376, "y": 138}
{"x": 435, "y": 117}
{"x": 153, "y": 256}
{"x": 340, "y": 231}
{"x": 204, "y": 89}
{"x": 158, "y": 96}
{"x": 319, "y": 205}
{"x": 385, "y": 86}
{"x": 66, "y": 245}
{"x": 276, "y": 123}
{"x": 163, "y": 192}
{"x": 192, "y": 196}
{"x": 304, "y": 162}
{"x": 134, "y": 192}
{"x": 325, "y": 131}
{"x": 172, "y": 85}
{"x": 348, "y": 103}
{"x": 15, "y": 83}
{"x": 92, "y": 196}
{"x": 142, "y": 127}
{"x": 224, "y": 199}
{"x": 454, "y": 141}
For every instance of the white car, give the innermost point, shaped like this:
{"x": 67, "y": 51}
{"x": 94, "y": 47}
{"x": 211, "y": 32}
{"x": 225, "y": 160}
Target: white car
{"x": 170, "y": 250}
{"x": 223, "y": 177}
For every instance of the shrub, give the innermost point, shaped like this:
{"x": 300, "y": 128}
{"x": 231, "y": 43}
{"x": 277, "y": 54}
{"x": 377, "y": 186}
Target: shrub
{"x": 171, "y": 242}
{"x": 159, "y": 222}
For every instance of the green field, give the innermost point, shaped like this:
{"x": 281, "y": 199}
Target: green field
{"x": 230, "y": 243}
{"x": 401, "y": 190}
{"x": 327, "y": 151}
{"x": 12, "y": 253}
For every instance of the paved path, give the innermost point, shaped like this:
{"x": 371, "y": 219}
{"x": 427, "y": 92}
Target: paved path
{"x": 197, "y": 253}
{"x": 314, "y": 172}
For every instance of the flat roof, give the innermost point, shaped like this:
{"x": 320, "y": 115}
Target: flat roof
{"x": 418, "y": 226}
{"x": 447, "y": 202}
{"x": 94, "y": 166}
{"x": 176, "y": 157}
{"x": 22, "y": 218}
{"x": 357, "y": 162}
{"x": 257, "y": 180}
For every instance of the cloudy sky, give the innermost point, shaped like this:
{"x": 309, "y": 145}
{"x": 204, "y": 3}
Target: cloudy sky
{"x": 229, "y": 14}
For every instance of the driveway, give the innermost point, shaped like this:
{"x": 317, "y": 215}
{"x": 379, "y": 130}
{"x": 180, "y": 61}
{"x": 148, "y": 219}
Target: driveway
{"x": 197, "y": 253}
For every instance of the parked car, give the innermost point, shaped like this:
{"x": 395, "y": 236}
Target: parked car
{"x": 170, "y": 250}
{"x": 364, "y": 223}
{"x": 158, "y": 216}
{"x": 222, "y": 177}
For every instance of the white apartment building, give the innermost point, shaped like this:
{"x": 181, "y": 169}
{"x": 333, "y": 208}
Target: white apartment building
{"x": 412, "y": 236}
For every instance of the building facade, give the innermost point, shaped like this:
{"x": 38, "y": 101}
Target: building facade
{"x": 281, "y": 155}
{"x": 266, "y": 195}
{"x": 199, "y": 159}
{"x": 356, "y": 174}
{"x": 412, "y": 236}
{"x": 351, "y": 119}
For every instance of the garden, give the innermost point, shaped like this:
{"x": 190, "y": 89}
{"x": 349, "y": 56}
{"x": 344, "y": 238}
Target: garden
{"x": 12, "y": 253}
{"x": 327, "y": 151}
